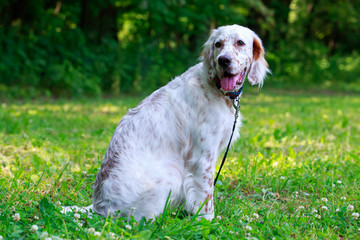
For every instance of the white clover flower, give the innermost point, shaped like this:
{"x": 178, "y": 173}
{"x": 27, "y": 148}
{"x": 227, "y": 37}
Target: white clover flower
{"x": 301, "y": 207}
{"x": 112, "y": 235}
{"x": 248, "y": 228}
{"x": 48, "y": 238}
{"x": 218, "y": 217}
{"x": 36, "y": 217}
{"x": 91, "y": 230}
{"x": 350, "y": 207}
{"x": 133, "y": 208}
{"x": 81, "y": 223}
{"x": 296, "y": 194}
{"x": 337, "y": 210}
{"x": 248, "y": 234}
{"x": 255, "y": 215}
{"x": 98, "y": 234}
{"x": 324, "y": 200}
{"x": 317, "y": 216}
{"x": 343, "y": 198}
{"x": 34, "y": 228}
{"x": 128, "y": 227}
{"x": 58, "y": 203}
{"x": 314, "y": 211}
{"x": 13, "y": 208}
{"x": 89, "y": 215}
{"x": 324, "y": 208}
{"x": 231, "y": 232}
{"x": 84, "y": 172}
{"x": 355, "y": 215}
{"x": 333, "y": 185}
{"x": 76, "y": 216}
{"x": 339, "y": 182}
{"x": 1, "y": 237}
{"x": 282, "y": 178}
{"x": 16, "y": 217}
{"x": 44, "y": 234}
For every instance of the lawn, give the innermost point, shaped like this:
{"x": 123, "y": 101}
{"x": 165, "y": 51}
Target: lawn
{"x": 294, "y": 172}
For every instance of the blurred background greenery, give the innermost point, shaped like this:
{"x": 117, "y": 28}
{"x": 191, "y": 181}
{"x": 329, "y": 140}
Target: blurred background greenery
{"x": 70, "y": 48}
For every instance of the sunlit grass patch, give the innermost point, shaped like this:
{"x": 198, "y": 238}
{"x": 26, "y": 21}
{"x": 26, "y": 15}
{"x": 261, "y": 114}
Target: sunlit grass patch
{"x": 292, "y": 174}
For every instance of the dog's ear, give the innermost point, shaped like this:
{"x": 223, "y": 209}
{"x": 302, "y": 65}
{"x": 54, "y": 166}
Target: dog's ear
{"x": 259, "y": 67}
{"x": 207, "y": 54}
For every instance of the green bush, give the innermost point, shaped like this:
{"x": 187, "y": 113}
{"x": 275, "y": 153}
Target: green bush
{"x": 59, "y": 64}
{"x": 110, "y": 47}
{"x": 310, "y": 65}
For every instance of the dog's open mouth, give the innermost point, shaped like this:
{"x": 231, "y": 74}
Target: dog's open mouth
{"x": 231, "y": 82}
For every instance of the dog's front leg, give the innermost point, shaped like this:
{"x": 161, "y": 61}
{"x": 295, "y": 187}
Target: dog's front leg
{"x": 199, "y": 189}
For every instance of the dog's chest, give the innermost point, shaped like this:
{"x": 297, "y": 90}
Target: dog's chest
{"x": 215, "y": 125}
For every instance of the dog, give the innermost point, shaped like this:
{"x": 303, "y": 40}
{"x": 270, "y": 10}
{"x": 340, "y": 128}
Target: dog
{"x": 167, "y": 147}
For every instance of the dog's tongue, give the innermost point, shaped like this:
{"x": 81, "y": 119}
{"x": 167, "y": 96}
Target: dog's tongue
{"x": 228, "y": 83}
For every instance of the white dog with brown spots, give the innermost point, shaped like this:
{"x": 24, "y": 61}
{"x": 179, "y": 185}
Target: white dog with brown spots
{"x": 171, "y": 141}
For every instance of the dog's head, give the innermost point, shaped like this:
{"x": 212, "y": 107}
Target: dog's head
{"x": 230, "y": 53}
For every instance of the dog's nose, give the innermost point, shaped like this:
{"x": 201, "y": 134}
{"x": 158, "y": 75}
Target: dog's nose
{"x": 224, "y": 61}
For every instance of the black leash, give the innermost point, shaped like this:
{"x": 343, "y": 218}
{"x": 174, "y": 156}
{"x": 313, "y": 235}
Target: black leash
{"x": 237, "y": 107}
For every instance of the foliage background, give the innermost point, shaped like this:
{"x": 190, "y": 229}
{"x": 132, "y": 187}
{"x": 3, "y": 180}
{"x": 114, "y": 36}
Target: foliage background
{"x": 93, "y": 47}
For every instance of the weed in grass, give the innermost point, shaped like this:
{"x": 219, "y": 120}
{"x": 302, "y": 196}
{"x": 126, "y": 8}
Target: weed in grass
{"x": 293, "y": 173}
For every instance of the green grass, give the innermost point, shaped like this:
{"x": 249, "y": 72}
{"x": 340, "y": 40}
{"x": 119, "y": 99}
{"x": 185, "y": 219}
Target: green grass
{"x": 293, "y": 151}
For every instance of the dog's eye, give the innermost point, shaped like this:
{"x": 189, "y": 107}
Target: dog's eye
{"x": 218, "y": 44}
{"x": 240, "y": 43}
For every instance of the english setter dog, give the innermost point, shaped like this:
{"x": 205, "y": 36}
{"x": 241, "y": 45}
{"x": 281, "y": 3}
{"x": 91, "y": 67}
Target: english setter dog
{"x": 170, "y": 142}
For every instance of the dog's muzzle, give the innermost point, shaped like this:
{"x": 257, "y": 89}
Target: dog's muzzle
{"x": 231, "y": 85}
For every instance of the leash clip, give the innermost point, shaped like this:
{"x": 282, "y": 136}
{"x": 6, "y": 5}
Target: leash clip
{"x": 236, "y": 104}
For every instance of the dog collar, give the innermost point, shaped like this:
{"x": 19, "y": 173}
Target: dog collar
{"x": 232, "y": 95}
